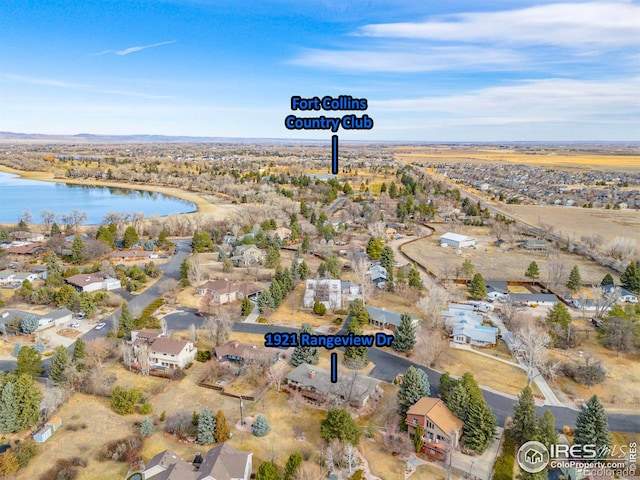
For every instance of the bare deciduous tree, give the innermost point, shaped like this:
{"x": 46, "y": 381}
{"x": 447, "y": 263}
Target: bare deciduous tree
{"x": 360, "y": 267}
{"x": 276, "y": 374}
{"x": 557, "y": 270}
{"x": 531, "y": 344}
{"x": 196, "y": 271}
{"x": 142, "y": 355}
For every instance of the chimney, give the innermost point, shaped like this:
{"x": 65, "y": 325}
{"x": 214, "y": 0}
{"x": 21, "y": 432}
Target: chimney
{"x": 236, "y": 344}
{"x": 312, "y": 373}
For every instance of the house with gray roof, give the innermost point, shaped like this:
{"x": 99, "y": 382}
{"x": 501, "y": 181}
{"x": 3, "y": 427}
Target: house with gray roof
{"x": 531, "y": 299}
{"x": 224, "y": 462}
{"x": 387, "y": 319}
{"x": 477, "y": 335}
{"x": 496, "y": 289}
{"x": 57, "y": 317}
{"x": 315, "y": 386}
{"x": 7, "y": 276}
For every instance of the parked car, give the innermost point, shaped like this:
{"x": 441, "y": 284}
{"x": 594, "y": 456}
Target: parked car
{"x": 80, "y": 315}
{"x": 74, "y": 325}
{"x": 100, "y": 326}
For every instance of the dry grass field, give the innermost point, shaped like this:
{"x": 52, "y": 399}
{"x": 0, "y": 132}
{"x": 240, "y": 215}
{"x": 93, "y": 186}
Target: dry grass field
{"x": 545, "y": 158}
{"x": 492, "y": 262}
{"x": 581, "y": 221}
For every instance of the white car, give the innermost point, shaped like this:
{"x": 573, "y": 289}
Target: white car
{"x": 74, "y": 325}
{"x": 100, "y": 326}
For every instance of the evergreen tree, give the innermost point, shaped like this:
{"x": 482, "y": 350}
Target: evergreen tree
{"x": 306, "y": 244}
{"x": 54, "y": 271}
{"x": 559, "y": 315}
{"x": 355, "y": 356}
{"x": 265, "y": 301}
{"x": 574, "y": 282}
{"x": 146, "y": 427}
{"x": 184, "y": 272}
{"x": 386, "y": 260}
{"x": 246, "y": 306}
{"x": 478, "y": 288}
{"x": 29, "y": 362}
{"x": 222, "y": 430}
{"x": 303, "y": 270}
{"x": 127, "y": 322}
{"x": 414, "y": 386}
{"x": 404, "y": 337}
{"x": 29, "y": 323}
{"x": 524, "y": 418}
{"x": 414, "y": 279}
{"x": 9, "y": 408}
{"x": 547, "y": 434}
{"x": 206, "y": 427}
{"x": 267, "y": 471}
{"x": 374, "y": 248}
{"x": 79, "y": 353}
{"x": 303, "y": 354}
{"x": 458, "y": 401}
{"x": 294, "y": 462}
{"x": 592, "y": 426}
{"x": 533, "y": 271}
{"x": 358, "y": 313}
{"x": 261, "y": 426}
{"x": 607, "y": 280}
{"x": 467, "y": 268}
{"x": 418, "y": 441}
{"x": 28, "y": 396}
{"x": 59, "y": 362}
{"x": 393, "y": 190}
{"x": 272, "y": 257}
{"x": 479, "y": 427}
{"x": 78, "y": 251}
{"x": 339, "y": 424}
{"x": 130, "y": 237}
{"x": 630, "y": 279}
{"x": 55, "y": 229}
{"x": 446, "y": 385}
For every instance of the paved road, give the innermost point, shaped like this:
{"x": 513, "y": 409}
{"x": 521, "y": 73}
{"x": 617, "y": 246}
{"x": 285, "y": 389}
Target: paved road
{"x": 389, "y": 365}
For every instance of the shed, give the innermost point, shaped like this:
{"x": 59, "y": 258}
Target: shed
{"x": 456, "y": 240}
{"x": 54, "y": 422}
{"x": 43, "y": 434}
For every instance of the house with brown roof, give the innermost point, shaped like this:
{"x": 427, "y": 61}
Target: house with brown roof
{"x": 169, "y": 353}
{"x": 239, "y": 352}
{"x": 169, "y": 466}
{"x": 20, "y": 248}
{"x": 441, "y": 429}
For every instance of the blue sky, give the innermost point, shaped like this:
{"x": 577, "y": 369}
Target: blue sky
{"x": 431, "y": 70}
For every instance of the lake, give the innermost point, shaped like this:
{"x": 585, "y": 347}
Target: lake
{"x": 18, "y": 194}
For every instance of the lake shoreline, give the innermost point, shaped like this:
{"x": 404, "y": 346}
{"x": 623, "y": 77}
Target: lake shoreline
{"x": 202, "y": 205}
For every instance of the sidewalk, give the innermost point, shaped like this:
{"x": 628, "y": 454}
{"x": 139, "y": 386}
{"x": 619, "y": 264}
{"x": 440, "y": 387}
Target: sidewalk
{"x": 253, "y": 316}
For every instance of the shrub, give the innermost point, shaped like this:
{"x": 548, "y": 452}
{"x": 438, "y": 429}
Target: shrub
{"x": 123, "y": 449}
{"x": 26, "y": 451}
{"x": 146, "y": 427}
{"x": 262, "y": 320}
{"x": 146, "y": 408}
{"x": 163, "y": 416}
{"x": 203, "y": 356}
{"x": 341, "y": 311}
{"x": 124, "y": 401}
{"x": 261, "y": 426}
{"x": 357, "y": 475}
{"x": 503, "y": 468}
{"x": 337, "y": 321}
{"x": 319, "y": 308}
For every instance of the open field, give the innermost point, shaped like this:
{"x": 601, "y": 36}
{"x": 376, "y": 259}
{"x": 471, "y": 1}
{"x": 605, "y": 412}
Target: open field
{"x": 492, "y": 262}
{"x": 581, "y": 221}
{"x": 549, "y": 157}
{"x": 620, "y": 391}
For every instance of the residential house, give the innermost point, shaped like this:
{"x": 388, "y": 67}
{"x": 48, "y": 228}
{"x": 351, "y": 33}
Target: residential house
{"x": 477, "y": 335}
{"x": 244, "y": 255}
{"x": 283, "y": 233}
{"x": 378, "y": 274}
{"x": 496, "y": 289}
{"x": 324, "y": 290}
{"x": 169, "y": 353}
{"x": 625, "y": 295}
{"x": 229, "y": 239}
{"x": 536, "y": 245}
{"x": 7, "y": 276}
{"x": 314, "y": 384}
{"x": 22, "y": 276}
{"x": 25, "y": 236}
{"x": 57, "y": 317}
{"x": 144, "y": 337}
{"x": 21, "y": 248}
{"x": 91, "y": 282}
{"x": 387, "y": 319}
{"x": 238, "y": 352}
{"x": 531, "y": 299}
{"x": 223, "y": 291}
{"x": 124, "y": 255}
{"x": 223, "y": 462}
{"x": 456, "y": 240}
{"x": 350, "y": 291}
{"x": 441, "y": 429}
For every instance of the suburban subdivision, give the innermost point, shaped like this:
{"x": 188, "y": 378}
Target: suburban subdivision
{"x": 420, "y": 314}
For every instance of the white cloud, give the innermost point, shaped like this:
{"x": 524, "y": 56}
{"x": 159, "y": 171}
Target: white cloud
{"x": 603, "y": 24}
{"x": 426, "y": 59}
{"x": 129, "y": 50}
{"x": 533, "y": 101}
